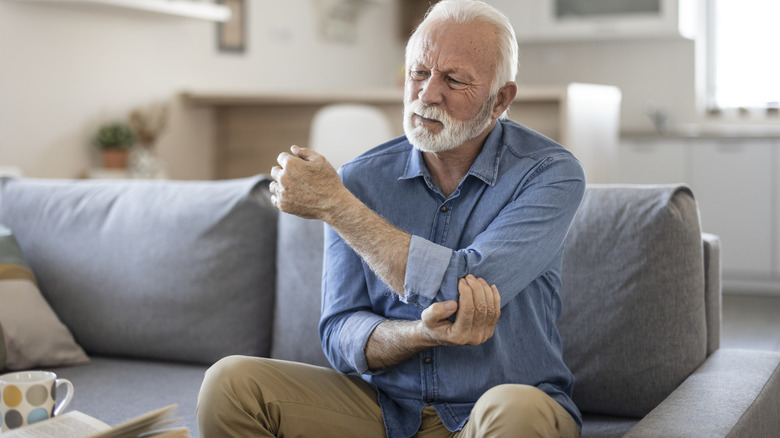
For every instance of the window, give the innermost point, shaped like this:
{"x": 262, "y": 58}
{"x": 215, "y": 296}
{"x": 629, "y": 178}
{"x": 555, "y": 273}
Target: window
{"x": 743, "y": 65}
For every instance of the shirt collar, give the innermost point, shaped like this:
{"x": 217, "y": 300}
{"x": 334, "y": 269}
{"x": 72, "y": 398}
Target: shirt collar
{"x": 485, "y": 167}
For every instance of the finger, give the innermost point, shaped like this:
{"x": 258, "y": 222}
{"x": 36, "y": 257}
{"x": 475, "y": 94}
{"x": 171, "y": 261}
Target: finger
{"x": 492, "y": 309}
{"x": 283, "y": 158}
{"x": 497, "y": 302}
{"x": 276, "y": 172}
{"x": 480, "y": 289}
{"x": 489, "y": 299}
{"x": 464, "y": 318}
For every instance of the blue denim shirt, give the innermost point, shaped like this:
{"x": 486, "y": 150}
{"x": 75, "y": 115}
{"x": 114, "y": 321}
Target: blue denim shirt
{"x": 506, "y": 222}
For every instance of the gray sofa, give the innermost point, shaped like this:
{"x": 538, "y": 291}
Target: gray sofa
{"x": 158, "y": 279}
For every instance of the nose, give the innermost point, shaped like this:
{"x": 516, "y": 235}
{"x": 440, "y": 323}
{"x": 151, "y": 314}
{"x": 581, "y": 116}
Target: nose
{"x": 431, "y": 92}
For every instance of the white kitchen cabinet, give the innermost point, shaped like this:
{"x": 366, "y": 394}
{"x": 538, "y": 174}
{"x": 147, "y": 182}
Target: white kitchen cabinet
{"x": 650, "y": 161}
{"x": 733, "y": 184}
{"x": 775, "y": 144}
{"x": 577, "y": 20}
{"x": 738, "y": 192}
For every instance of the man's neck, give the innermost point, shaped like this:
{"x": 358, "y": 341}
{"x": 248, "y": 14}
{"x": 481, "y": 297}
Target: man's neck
{"x": 449, "y": 167}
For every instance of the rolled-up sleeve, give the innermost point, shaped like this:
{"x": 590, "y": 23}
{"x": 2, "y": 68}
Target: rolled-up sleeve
{"x": 428, "y": 262}
{"x": 354, "y": 337}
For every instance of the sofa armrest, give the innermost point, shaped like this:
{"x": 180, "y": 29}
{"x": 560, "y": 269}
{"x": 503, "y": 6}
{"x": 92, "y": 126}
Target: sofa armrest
{"x": 713, "y": 298}
{"x": 734, "y": 393}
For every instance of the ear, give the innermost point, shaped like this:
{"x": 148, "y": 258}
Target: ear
{"x": 504, "y": 98}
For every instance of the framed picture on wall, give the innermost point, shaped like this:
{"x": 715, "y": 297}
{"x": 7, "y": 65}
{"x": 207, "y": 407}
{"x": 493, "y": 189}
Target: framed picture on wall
{"x": 232, "y": 34}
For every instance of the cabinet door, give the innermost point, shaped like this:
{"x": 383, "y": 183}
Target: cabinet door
{"x": 732, "y": 182}
{"x": 774, "y": 145}
{"x": 652, "y": 161}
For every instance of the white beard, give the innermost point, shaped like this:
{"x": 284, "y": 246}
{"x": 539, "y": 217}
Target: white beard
{"x": 453, "y": 134}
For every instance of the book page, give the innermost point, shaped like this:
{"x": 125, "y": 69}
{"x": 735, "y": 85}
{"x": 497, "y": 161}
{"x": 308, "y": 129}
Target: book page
{"x": 76, "y": 424}
{"x": 149, "y": 424}
{"x": 73, "y": 424}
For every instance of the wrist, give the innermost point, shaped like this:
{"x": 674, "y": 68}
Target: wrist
{"x": 424, "y": 336}
{"x": 341, "y": 205}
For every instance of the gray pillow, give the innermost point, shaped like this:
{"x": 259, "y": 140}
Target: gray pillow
{"x": 171, "y": 270}
{"x": 299, "y": 280}
{"x": 633, "y": 325}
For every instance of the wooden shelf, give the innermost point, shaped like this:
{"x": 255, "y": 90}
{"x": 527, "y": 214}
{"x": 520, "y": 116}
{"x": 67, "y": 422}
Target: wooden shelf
{"x": 253, "y": 127}
{"x": 249, "y": 98}
{"x": 179, "y": 8}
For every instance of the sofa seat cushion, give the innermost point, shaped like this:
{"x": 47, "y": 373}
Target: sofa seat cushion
{"x": 169, "y": 270}
{"x": 114, "y": 390}
{"x": 634, "y": 324}
{"x": 605, "y": 426}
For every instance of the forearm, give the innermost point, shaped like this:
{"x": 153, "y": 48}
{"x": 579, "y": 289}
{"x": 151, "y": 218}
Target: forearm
{"x": 393, "y": 341}
{"x": 306, "y": 185}
{"x": 383, "y": 247}
{"x": 478, "y": 311}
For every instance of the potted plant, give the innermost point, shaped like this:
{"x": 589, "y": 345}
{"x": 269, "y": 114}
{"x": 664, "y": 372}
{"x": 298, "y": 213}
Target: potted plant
{"x": 114, "y": 141}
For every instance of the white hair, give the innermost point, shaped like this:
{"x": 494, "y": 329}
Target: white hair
{"x": 470, "y": 11}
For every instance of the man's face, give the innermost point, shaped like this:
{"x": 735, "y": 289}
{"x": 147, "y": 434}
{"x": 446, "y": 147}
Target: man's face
{"x": 447, "y": 95}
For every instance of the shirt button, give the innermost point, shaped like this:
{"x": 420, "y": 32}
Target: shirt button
{"x": 428, "y": 400}
{"x": 443, "y": 209}
{"x": 428, "y": 361}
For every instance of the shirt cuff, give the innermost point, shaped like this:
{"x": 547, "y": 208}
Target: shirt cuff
{"x": 425, "y": 271}
{"x": 354, "y": 337}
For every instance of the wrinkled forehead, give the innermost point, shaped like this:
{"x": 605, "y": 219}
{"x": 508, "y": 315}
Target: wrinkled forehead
{"x": 465, "y": 46}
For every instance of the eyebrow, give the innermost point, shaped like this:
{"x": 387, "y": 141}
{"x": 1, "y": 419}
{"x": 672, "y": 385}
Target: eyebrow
{"x": 462, "y": 73}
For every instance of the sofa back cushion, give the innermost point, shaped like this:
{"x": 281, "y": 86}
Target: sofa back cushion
{"x": 153, "y": 269}
{"x": 298, "y": 280}
{"x": 634, "y": 324}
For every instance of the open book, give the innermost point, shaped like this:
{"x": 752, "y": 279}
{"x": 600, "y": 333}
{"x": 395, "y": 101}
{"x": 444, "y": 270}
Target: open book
{"x": 75, "y": 424}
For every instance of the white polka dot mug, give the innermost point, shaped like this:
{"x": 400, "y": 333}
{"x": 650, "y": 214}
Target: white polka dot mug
{"x": 27, "y": 397}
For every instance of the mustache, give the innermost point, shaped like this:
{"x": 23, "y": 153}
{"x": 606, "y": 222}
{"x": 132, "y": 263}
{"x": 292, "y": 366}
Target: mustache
{"x": 429, "y": 112}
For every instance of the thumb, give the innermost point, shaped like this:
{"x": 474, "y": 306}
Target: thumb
{"x": 440, "y": 311}
{"x": 304, "y": 153}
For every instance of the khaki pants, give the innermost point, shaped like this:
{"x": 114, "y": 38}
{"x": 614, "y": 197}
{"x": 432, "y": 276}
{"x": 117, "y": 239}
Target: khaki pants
{"x": 257, "y": 397}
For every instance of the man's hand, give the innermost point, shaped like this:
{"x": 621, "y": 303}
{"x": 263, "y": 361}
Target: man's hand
{"x": 478, "y": 310}
{"x": 305, "y": 184}
{"x": 394, "y": 341}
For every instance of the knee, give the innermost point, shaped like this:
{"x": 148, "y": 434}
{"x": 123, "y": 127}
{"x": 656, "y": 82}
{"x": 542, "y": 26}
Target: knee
{"x": 222, "y": 382}
{"x": 512, "y": 398}
{"x": 223, "y": 373}
{"x": 515, "y": 407}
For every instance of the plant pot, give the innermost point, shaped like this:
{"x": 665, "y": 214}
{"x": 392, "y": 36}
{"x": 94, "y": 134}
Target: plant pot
{"x": 115, "y": 158}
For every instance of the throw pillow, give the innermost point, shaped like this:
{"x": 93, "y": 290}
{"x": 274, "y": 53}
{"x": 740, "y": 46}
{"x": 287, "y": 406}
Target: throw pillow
{"x": 31, "y": 335}
{"x": 2, "y": 348}
{"x": 633, "y": 325}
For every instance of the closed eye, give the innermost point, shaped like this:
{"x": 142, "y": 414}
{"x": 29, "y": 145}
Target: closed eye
{"x": 456, "y": 84}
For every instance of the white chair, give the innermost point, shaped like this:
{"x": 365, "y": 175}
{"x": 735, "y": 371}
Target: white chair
{"x": 341, "y": 132}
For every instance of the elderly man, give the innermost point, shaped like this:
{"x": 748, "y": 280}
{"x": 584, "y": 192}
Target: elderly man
{"x": 442, "y": 265}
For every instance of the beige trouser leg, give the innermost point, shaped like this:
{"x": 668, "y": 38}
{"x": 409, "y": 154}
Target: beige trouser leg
{"x": 518, "y": 410}
{"x": 256, "y": 397}
{"x": 247, "y": 396}
{"x": 507, "y": 411}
